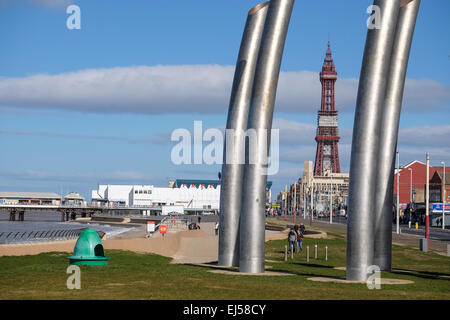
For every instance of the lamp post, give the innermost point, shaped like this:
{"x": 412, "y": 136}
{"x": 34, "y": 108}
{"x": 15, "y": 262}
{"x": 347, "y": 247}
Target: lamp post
{"x": 443, "y": 199}
{"x": 410, "y": 195}
{"x": 427, "y": 202}
{"x": 398, "y": 193}
{"x": 304, "y": 200}
{"x": 331, "y": 200}
{"x": 295, "y": 201}
{"x": 312, "y": 202}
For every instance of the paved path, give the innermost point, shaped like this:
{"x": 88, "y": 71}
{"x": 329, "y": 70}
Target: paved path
{"x": 405, "y": 238}
{"x": 189, "y": 246}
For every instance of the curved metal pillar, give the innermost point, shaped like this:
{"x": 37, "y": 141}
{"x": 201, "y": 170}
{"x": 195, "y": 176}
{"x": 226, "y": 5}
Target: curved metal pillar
{"x": 252, "y": 222}
{"x": 364, "y": 155}
{"x": 389, "y": 124}
{"x": 233, "y": 167}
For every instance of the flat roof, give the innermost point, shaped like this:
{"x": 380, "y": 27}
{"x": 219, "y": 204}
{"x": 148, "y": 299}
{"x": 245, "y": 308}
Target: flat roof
{"x": 29, "y": 195}
{"x": 197, "y": 182}
{"x": 73, "y": 196}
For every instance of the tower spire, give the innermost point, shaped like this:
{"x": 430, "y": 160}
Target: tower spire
{"x": 327, "y": 138}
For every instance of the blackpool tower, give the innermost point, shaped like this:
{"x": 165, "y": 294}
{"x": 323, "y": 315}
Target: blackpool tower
{"x": 327, "y": 136}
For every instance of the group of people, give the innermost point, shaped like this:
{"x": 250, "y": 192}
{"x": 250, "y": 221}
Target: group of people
{"x": 295, "y": 237}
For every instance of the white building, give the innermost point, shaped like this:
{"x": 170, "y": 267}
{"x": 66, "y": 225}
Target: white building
{"x": 196, "y": 194}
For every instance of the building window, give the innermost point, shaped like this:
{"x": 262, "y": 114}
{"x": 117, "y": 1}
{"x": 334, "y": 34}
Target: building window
{"x": 435, "y": 195}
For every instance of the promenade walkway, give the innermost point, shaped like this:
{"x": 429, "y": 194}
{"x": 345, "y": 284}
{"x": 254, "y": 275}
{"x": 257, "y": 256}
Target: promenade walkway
{"x": 188, "y": 246}
{"x": 402, "y": 239}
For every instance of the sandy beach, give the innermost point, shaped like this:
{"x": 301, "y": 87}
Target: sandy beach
{"x": 188, "y": 246}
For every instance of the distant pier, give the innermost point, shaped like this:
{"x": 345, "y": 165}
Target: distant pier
{"x": 71, "y": 212}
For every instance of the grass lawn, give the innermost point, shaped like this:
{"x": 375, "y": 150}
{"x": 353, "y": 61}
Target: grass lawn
{"x": 145, "y": 276}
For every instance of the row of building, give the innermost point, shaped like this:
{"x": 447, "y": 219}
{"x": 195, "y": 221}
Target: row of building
{"x": 316, "y": 192}
{"x": 191, "y": 194}
{"x": 412, "y": 183}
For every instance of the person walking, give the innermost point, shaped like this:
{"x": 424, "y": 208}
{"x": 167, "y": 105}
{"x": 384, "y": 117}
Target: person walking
{"x": 299, "y": 241}
{"x": 292, "y": 237}
{"x": 216, "y": 228}
{"x": 302, "y": 229}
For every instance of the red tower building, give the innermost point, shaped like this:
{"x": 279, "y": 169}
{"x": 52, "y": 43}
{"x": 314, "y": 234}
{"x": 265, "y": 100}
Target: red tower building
{"x": 327, "y": 137}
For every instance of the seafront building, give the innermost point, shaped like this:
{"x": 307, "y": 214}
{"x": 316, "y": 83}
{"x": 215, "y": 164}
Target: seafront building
{"x": 30, "y": 198}
{"x": 41, "y": 198}
{"x": 315, "y": 192}
{"x": 191, "y": 194}
{"x": 198, "y": 194}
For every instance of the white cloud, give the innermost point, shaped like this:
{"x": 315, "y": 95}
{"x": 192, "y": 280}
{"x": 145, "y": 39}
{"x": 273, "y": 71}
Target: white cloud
{"x": 42, "y": 3}
{"x": 436, "y": 136}
{"x": 119, "y": 176}
{"x": 186, "y": 89}
{"x": 51, "y": 3}
{"x": 159, "y": 138}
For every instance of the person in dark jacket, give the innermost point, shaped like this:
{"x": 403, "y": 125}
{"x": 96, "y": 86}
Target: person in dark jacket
{"x": 299, "y": 241}
{"x": 302, "y": 229}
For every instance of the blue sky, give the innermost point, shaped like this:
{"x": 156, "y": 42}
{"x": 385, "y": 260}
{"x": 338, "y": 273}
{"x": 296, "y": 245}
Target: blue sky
{"x": 97, "y": 105}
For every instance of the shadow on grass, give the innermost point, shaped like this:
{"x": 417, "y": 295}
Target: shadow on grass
{"x": 214, "y": 266}
{"x": 313, "y": 265}
{"x": 309, "y": 275}
{"x": 211, "y": 266}
{"x": 422, "y": 274}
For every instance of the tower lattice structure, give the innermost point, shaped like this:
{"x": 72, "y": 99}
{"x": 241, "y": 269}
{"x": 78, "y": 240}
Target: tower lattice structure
{"x": 327, "y": 136}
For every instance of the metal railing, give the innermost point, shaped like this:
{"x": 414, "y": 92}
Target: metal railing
{"x": 24, "y": 236}
{"x": 174, "y": 223}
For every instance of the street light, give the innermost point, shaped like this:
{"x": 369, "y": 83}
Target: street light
{"x": 427, "y": 203}
{"x": 443, "y": 200}
{"x": 331, "y": 200}
{"x": 304, "y": 200}
{"x": 410, "y": 196}
{"x": 312, "y": 202}
{"x": 398, "y": 193}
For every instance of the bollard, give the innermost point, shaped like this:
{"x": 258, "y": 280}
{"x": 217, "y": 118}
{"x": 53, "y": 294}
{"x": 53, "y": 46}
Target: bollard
{"x": 307, "y": 253}
{"x": 448, "y": 249}
{"x": 326, "y": 253}
{"x": 409, "y": 224}
{"x": 417, "y": 225}
{"x": 315, "y": 251}
{"x": 285, "y": 253}
{"x": 423, "y": 244}
{"x": 292, "y": 253}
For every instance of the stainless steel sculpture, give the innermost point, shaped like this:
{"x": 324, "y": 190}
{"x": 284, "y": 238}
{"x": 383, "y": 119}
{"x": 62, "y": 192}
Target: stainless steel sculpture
{"x": 389, "y": 125}
{"x": 366, "y": 130}
{"x": 233, "y": 165}
{"x": 252, "y": 221}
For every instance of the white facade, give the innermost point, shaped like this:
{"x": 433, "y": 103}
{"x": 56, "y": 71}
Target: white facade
{"x": 151, "y": 196}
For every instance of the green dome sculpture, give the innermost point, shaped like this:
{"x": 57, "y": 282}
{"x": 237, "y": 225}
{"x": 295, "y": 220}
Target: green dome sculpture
{"x": 88, "y": 250}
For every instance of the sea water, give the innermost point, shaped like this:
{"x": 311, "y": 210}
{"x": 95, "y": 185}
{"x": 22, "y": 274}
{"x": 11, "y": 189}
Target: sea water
{"x": 46, "y": 221}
